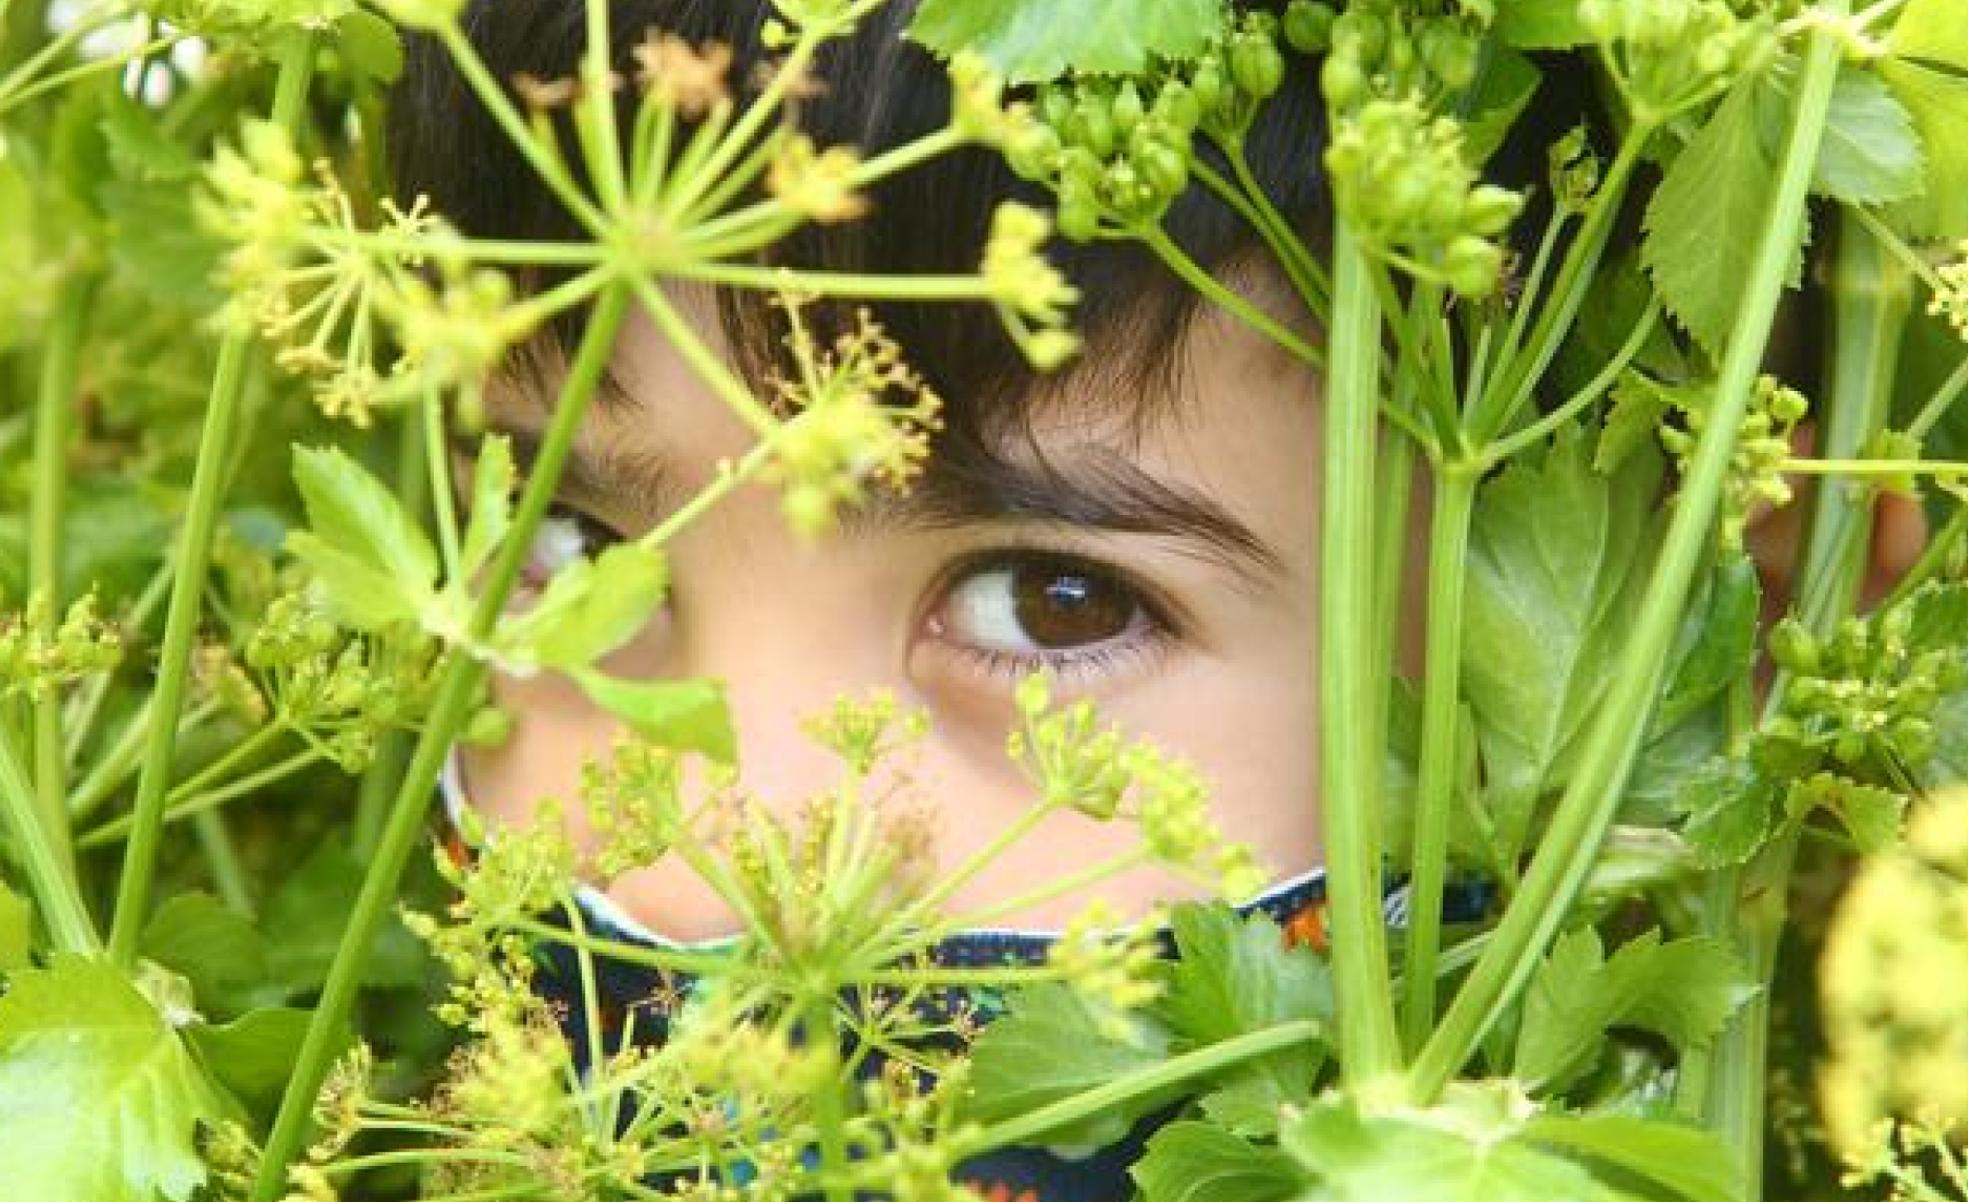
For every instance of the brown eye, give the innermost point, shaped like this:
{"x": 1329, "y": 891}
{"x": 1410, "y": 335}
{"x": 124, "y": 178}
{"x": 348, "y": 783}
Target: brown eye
{"x": 1040, "y": 603}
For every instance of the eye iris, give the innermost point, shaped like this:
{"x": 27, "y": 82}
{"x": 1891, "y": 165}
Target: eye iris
{"x": 1060, "y": 607}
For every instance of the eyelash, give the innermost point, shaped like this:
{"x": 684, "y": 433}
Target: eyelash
{"x": 1121, "y": 653}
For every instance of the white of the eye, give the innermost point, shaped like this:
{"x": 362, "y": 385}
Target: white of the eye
{"x": 983, "y": 613}
{"x": 557, "y": 543}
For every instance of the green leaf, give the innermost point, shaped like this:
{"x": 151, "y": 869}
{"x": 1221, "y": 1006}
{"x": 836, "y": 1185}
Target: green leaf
{"x": 310, "y": 911}
{"x": 1554, "y": 573}
{"x": 1032, "y": 41}
{"x": 1691, "y": 1163}
{"x": 1052, "y": 1044}
{"x": 369, "y": 46}
{"x": 1928, "y": 71}
{"x": 1869, "y": 814}
{"x": 1540, "y": 24}
{"x": 99, "y": 1101}
{"x": 1196, "y": 1162}
{"x": 1497, "y": 98}
{"x": 1360, "y": 1159}
{"x": 253, "y": 1055}
{"x": 590, "y": 608}
{"x": 376, "y": 564}
{"x": 491, "y": 510}
{"x": 1234, "y": 975}
{"x": 16, "y": 931}
{"x": 159, "y": 245}
{"x": 685, "y": 715}
{"x": 1870, "y": 154}
{"x": 1703, "y": 223}
{"x": 1682, "y": 991}
{"x": 214, "y": 948}
{"x": 1717, "y": 641}
{"x": 139, "y": 146}
{"x": 1940, "y": 618}
{"x": 1728, "y": 804}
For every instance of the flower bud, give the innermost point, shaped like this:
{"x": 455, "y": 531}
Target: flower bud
{"x": 1794, "y": 648}
{"x": 1256, "y": 65}
{"x": 1472, "y": 266}
{"x": 1308, "y": 26}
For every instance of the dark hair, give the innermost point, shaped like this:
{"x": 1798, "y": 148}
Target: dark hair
{"x": 878, "y": 90}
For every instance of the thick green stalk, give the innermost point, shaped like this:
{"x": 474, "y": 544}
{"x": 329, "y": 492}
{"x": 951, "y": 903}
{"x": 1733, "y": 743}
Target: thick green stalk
{"x": 1350, "y": 752}
{"x": 457, "y": 693}
{"x": 188, "y": 585}
{"x": 53, "y": 405}
{"x": 53, "y": 886}
{"x": 1871, "y": 297}
{"x": 1571, "y": 843}
{"x": 1448, "y": 548}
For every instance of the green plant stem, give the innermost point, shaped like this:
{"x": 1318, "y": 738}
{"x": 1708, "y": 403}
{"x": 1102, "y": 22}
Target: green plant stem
{"x": 372, "y": 796}
{"x": 53, "y": 886}
{"x": 547, "y": 164}
{"x": 1932, "y": 559}
{"x": 1937, "y": 406}
{"x": 1350, "y": 754}
{"x": 1578, "y": 402}
{"x": 1202, "y": 1062}
{"x": 95, "y": 66}
{"x": 222, "y": 860}
{"x": 54, "y": 402}
{"x": 1520, "y": 368}
{"x": 1448, "y": 549}
{"x": 1872, "y": 300}
{"x": 457, "y": 693}
{"x": 821, "y": 1027}
{"x": 188, "y": 803}
{"x": 1220, "y": 294}
{"x": 188, "y": 584}
{"x": 1571, "y": 842}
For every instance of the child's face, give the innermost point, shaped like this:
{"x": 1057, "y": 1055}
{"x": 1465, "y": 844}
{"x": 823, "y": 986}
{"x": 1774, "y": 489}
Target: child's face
{"x": 1172, "y": 577}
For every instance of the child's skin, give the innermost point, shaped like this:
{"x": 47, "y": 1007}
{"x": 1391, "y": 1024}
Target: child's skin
{"x": 1203, "y": 641}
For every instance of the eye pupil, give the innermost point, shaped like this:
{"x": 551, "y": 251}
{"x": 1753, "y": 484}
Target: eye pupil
{"x": 1061, "y": 607}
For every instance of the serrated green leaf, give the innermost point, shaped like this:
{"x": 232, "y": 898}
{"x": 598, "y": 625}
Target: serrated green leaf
{"x": 1554, "y": 566}
{"x": 685, "y": 715}
{"x": 1716, "y": 643}
{"x": 491, "y": 510}
{"x": 139, "y": 146}
{"x": 253, "y": 1055}
{"x": 16, "y": 931}
{"x": 369, "y": 46}
{"x": 1682, "y": 991}
{"x": 1032, "y": 41}
{"x": 375, "y": 562}
{"x": 1869, "y": 814}
{"x": 1360, "y": 1159}
{"x": 1196, "y": 1162}
{"x": 1540, "y": 24}
{"x": 1870, "y": 154}
{"x": 1728, "y": 804}
{"x": 1633, "y": 422}
{"x": 1235, "y": 975}
{"x": 1050, "y": 1045}
{"x": 1691, "y": 1163}
{"x": 1704, "y": 221}
{"x": 1940, "y": 618}
{"x": 1927, "y": 70}
{"x": 590, "y": 608}
{"x": 211, "y": 946}
{"x": 99, "y": 1101}
{"x": 158, "y": 245}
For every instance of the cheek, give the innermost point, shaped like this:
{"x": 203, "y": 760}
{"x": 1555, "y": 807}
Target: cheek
{"x": 555, "y": 733}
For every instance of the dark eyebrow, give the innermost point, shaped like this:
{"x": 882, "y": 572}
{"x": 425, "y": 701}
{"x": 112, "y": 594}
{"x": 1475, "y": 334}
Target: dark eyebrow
{"x": 1092, "y": 487}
